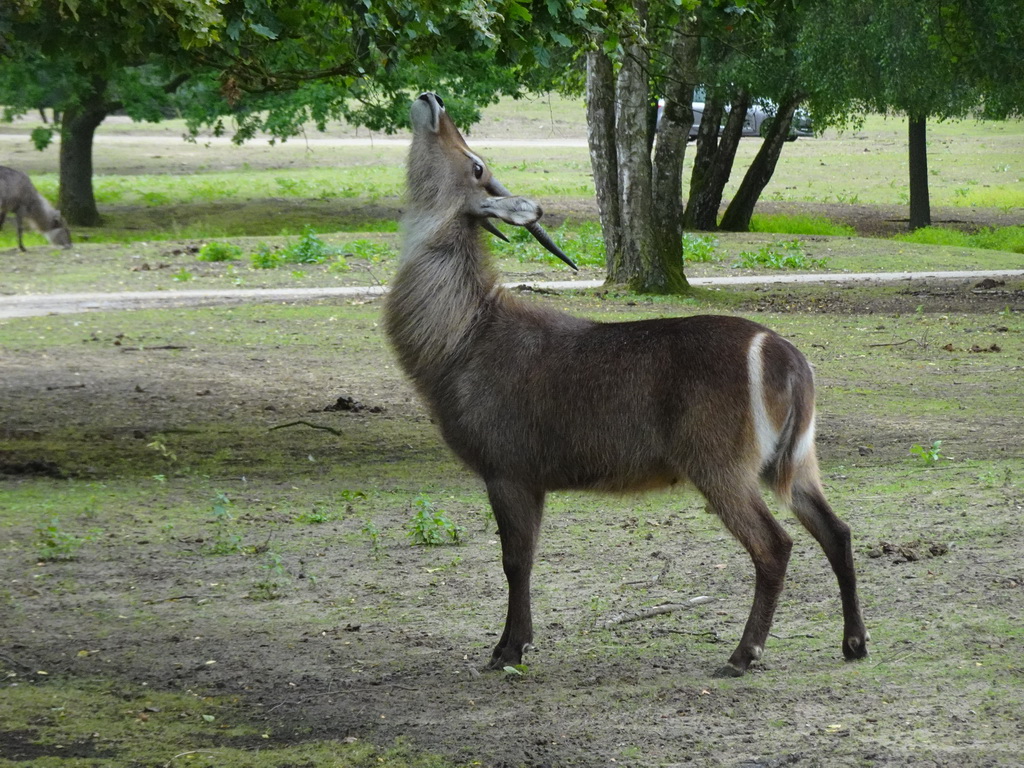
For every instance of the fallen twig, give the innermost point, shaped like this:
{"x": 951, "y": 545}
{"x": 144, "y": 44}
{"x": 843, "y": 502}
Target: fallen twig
{"x": 648, "y": 583}
{"x": 894, "y": 343}
{"x": 171, "y": 599}
{"x": 657, "y": 610}
{"x": 332, "y": 430}
{"x": 150, "y": 349}
{"x": 922, "y": 342}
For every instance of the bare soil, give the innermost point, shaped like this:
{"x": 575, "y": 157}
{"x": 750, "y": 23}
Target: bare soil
{"x": 377, "y": 644}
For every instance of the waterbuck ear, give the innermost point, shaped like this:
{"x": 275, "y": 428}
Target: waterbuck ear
{"x": 512, "y": 210}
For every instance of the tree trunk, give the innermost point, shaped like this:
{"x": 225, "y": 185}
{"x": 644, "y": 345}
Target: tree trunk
{"x": 77, "y": 128}
{"x": 642, "y": 251}
{"x": 670, "y": 151}
{"x": 711, "y": 172}
{"x": 636, "y": 250}
{"x": 737, "y": 215}
{"x": 917, "y": 145}
{"x": 601, "y": 139}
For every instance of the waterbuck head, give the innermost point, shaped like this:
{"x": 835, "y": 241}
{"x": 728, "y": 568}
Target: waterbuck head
{"x": 57, "y": 232}
{"x": 445, "y": 174}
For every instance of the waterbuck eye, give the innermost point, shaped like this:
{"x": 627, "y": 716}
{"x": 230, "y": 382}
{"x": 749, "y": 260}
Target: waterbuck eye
{"x": 478, "y": 170}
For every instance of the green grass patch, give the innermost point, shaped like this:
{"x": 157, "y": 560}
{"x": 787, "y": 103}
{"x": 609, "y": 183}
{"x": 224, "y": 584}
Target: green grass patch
{"x": 84, "y": 723}
{"x": 992, "y": 238}
{"x": 798, "y": 224}
{"x": 580, "y": 241}
{"x": 308, "y": 249}
{"x": 783, "y": 254}
{"x": 219, "y": 251}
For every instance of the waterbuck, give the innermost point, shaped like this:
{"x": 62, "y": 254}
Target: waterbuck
{"x": 20, "y": 197}
{"x": 535, "y": 400}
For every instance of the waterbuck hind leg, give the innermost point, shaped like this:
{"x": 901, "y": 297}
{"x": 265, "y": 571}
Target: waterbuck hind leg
{"x": 811, "y": 509}
{"x": 749, "y": 520}
{"x": 518, "y": 511}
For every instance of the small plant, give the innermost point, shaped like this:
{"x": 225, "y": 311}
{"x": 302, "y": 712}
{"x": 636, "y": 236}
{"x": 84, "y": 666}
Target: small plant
{"x": 780, "y": 255}
{"x": 370, "y": 530}
{"x": 217, "y": 251}
{"x": 928, "y": 455}
{"x": 266, "y": 258}
{"x": 159, "y": 446}
{"x": 225, "y": 540}
{"x": 697, "y": 249}
{"x": 340, "y": 264}
{"x": 372, "y": 251}
{"x": 182, "y": 275}
{"x": 269, "y": 588}
{"x": 309, "y": 249}
{"x": 54, "y": 543}
{"x": 430, "y": 525}
{"x": 316, "y": 516}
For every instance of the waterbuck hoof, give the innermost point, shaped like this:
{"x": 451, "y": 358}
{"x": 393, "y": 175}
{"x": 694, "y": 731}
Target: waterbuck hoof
{"x": 730, "y": 670}
{"x": 855, "y": 647}
{"x": 507, "y": 656}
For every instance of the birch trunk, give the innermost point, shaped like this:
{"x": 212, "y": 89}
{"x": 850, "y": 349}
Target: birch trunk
{"x": 635, "y": 253}
{"x": 670, "y": 151}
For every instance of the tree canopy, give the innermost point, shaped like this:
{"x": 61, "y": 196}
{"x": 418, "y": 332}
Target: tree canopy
{"x": 925, "y": 59}
{"x": 247, "y": 66}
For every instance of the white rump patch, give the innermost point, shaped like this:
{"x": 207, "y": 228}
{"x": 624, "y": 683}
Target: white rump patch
{"x": 805, "y": 443}
{"x": 765, "y": 434}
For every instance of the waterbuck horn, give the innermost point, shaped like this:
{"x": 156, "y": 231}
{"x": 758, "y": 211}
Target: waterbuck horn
{"x": 498, "y": 189}
{"x": 491, "y": 227}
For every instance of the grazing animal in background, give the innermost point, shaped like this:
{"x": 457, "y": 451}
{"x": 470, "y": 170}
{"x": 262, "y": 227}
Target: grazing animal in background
{"x": 535, "y": 400}
{"x": 20, "y": 197}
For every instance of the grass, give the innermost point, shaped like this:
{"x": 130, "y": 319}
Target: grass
{"x": 177, "y": 190}
{"x": 797, "y": 224}
{"x": 1009, "y": 239}
{"x": 83, "y": 722}
{"x": 146, "y": 509}
{"x": 336, "y": 510}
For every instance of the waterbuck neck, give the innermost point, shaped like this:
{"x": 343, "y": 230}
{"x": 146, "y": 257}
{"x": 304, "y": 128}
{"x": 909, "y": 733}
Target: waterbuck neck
{"x": 444, "y": 284}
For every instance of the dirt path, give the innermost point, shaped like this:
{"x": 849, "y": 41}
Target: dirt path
{"x": 34, "y": 305}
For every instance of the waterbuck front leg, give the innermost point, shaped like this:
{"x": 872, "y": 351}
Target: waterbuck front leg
{"x": 20, "y": 227}
{"x": 748, "y": 519}
{"x": 518, "y": 511}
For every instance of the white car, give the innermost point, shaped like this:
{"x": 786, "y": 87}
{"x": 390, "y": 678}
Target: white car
{"x": 758, "y": 119}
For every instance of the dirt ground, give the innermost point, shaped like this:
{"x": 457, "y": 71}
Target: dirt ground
{"x": 387, "y": 642}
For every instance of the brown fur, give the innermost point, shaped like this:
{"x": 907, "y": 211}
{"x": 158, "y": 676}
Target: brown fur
{"x": 20, "y": 197}
{"x": 535, "y": 400}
